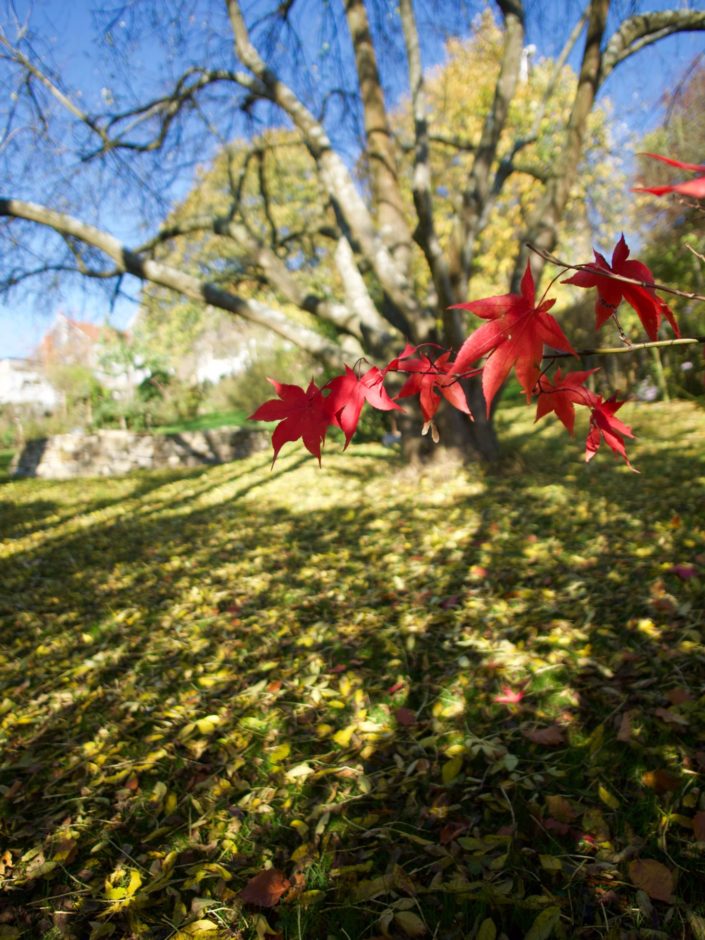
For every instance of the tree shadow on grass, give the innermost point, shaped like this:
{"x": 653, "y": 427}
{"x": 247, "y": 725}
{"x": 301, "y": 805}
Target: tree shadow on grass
{"x": 202, "y": 674}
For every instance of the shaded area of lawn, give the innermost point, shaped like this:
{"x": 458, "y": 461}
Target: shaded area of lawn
{"x": 209, "y": 673}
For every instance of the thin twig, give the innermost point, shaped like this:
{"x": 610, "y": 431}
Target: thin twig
{"x": 617, "y": 350}
{"x": 601, "y": 272}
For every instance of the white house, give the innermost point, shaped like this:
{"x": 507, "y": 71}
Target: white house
{"x": 21, "y": 384}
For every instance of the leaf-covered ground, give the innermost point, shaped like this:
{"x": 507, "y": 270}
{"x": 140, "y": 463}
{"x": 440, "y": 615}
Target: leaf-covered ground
{"x": 362, "y": 701}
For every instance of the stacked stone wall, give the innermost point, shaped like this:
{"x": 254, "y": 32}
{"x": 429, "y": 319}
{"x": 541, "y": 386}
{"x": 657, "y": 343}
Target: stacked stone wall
{"x": 111, "y": 453}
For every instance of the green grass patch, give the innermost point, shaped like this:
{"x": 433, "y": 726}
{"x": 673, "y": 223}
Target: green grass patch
{"x": 5, "y": 461}
{"x": 209, "y": 422}
{"x": 209, "y": 674}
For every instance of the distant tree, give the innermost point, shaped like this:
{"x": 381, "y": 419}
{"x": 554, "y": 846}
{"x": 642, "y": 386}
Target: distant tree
{"x": 333, "y": 97}
{"x": 673, "y": 225}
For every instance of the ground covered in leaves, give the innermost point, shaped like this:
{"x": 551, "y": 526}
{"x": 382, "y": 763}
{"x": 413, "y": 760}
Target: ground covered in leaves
{"x": 361, "y": 701}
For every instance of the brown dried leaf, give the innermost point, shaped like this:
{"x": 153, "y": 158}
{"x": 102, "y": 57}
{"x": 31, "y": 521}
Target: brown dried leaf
{"x": 560, "y": 809}
{"x": 661, "y": 781}
{"x": 671, "y": 718}
{"x": 551, "y": 736}
{"x": 624, "y": 733}
{"x": 678, "y": 695}
{"x": 653, "y": 877}
{"x": 266, "y": 888}
{"x": 699, "y": 826}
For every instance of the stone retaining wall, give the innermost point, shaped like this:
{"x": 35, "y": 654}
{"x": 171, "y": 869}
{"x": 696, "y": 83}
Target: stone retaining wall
{"x": 109, "y": 453}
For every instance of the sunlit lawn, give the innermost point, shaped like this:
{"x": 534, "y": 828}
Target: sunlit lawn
{"x": 207, "y": 674}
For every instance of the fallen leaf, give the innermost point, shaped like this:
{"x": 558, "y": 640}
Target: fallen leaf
{"x": 543, "y": 925}
{"x": 653, "y": 877}
{"x": 678, "y": 695}
{"x": 624, "y": 733}
{"x": 265, "y": 888}
{"x": 405, "y": 717}
{"x": 551, "y": 736}
{"x": 609, "y": 799}
{"x": 684, "y": 572}
{"x": 699, "y": 826}
{"x": 661, "y": 781}
{"x": 410, "y": 923}
{"x": 671, "y": 718}
{"x": 509, "y": 696}
{"x": 487, "y": 930}
{"x": 560, "y": 809}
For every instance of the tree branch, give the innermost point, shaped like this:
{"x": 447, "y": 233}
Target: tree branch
{"x": 610, "y": 275}
{"x": 335, "y": 176}
{"x": 640, "y": 31}
{"x": 129, "y": 261}
{"x": 387, "y": 199}
{"x": 477, "y": 190}
{"x": 425, "y": 233}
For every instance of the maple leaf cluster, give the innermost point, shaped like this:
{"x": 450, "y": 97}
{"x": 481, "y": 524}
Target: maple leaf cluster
{"x": 517, "y": 330}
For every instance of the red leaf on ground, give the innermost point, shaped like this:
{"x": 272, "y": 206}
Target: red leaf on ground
{"x": 684, "y": 572}
{"x": 266, "y": 888}
{"x": 405, "y": 717}
{"x": 509, "y": 696}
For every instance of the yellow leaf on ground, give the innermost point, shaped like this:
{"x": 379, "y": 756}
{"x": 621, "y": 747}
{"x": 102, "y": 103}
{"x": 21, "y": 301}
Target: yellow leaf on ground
{"x": 609, "y": 799}
{"x": 487, "y": 930}
{"x": 451, "y": 769}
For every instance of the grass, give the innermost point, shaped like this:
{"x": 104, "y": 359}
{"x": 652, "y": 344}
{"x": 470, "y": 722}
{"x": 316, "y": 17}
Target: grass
{"x": 212, "y": 673}
{"x": 209, "y": 422}
{"x": 5, "y": 461}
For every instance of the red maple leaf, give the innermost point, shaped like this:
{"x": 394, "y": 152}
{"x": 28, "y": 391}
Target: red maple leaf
{"x": 301, "y": 414}
{"x": 509, "y": 696}
{"x": 427, "y": 377}
{"x": 694, "y": 188}
{"x": 563, "y": 394}
{"x": 265, "y": 888}
{"x": 610, "y": 292}
{"x": 348, "y": 394}
{"x": 604, "y": 425}
{"x": 515, "y": 335}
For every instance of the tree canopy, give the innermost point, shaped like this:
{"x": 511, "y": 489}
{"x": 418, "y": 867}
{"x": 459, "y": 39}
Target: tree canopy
{"x": 379, "y": 205}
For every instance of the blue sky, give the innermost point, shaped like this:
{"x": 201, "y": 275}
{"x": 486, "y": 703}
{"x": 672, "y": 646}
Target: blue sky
{"x": 636, "y": 89}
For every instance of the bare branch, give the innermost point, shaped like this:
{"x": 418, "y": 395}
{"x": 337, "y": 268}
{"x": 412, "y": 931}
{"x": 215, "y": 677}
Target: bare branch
{"x": 477, "y": 190}
{"x": 632, "y": 347}
{"x": 164, "y": 275}
{"x": 335, "y": 176}
{"x": 640, "y": 31}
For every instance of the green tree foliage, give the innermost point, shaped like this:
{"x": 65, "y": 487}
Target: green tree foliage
{"x": 673, "y": 225}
